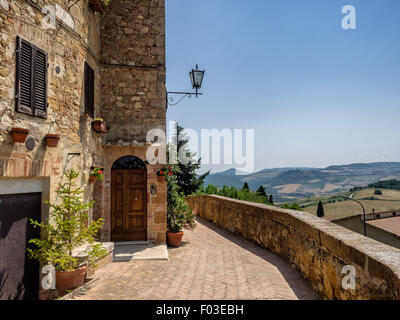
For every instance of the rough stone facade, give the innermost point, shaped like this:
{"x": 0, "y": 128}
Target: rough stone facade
{"x": 125, "y": 46}
{"x": 133, "y": 95}
{"x": 133, "y": 73}
{"x": 317, "y": 248}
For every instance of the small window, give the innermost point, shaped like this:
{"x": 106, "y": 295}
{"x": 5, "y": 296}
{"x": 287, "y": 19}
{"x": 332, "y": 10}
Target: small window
{"x": 89, "y": 90}
{"x": 31, "y": 79}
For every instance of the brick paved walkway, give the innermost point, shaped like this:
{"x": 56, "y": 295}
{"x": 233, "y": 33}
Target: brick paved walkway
{"x": 211, "y": 264}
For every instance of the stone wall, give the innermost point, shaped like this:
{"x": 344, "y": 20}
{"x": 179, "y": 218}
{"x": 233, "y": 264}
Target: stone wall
{"x": 67, "y": 47}
{"x": 133, "y": 72}
{"x": 133, "y": 98}
{"x": 317, "y": 248}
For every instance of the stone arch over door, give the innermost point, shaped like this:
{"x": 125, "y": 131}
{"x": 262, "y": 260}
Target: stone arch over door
{"x": 128, "y": 199}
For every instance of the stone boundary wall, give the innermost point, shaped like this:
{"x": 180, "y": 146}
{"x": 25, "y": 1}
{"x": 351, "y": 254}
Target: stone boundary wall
{"x": 318, "y": 248}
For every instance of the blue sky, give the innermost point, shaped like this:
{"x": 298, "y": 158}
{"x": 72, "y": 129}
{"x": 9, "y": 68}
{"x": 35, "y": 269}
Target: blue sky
{"x": 314, "y": 93}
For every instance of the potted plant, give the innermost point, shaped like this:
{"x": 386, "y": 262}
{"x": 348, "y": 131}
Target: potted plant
{"x": 165, "y": 173}
{"x": 99, "y": 125}
{"x": 66, "y": 230}
{"x": 52, "y": 140}
{"x": 19, "y": 135}
{"x": 179, "y": 215}
{"x": 96, "y": 174}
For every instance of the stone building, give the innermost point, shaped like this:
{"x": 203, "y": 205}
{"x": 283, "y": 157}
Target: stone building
{"x": 380, "y": 226}
{"x": 64, "y": 63}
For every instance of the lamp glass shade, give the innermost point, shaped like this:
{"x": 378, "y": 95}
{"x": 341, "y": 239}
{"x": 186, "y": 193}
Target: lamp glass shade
{"x": 196, "y": 76}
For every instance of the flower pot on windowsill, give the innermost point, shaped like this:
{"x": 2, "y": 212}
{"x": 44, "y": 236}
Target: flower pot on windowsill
{"x": 160, "y": 178}
{"x": 19, "y": 135}
{"x": 174, "y": 239}
{"x": 96, "y": 174}
{"x": 99, "y": 126}
{"x": 164, "y": 173}
{"x": 69, "y": 280}
{"x": 52, "y": 140}
{"x": 92, "y": 179}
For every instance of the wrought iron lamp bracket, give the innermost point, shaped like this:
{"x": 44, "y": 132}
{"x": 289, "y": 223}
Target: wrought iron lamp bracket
{"x": 171, "y": 100}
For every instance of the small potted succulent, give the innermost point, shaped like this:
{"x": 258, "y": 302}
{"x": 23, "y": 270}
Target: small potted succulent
{"x": 52, "y": 140}
{"x": 68, "y": 231}
{"x": 19, "y": 135}
{"x": 179, "y": 215}
{"x": 99, "y": 125}
{"x": 96, "y": 174}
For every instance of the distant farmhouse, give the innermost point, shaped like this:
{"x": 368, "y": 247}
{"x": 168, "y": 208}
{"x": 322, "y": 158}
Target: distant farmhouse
{"x": 381, "y": 226}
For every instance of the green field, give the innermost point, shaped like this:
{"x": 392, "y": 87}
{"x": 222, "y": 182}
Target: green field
{"x": 387, "y": 194}
{"x": 389, "y": 200}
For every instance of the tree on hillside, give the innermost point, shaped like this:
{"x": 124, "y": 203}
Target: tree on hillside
{"x": 320, "y": 210}
{"x": 246, "y": 186}
{"x": 271, "y": 199}
{"x": 232, "y": 192}
{"x": 261, "y": 191}
{"x": 293, "y": 206}
{"x": 210, "y": 189}
{"x": 378, "y": 192}
{"x": 187, "y": 179}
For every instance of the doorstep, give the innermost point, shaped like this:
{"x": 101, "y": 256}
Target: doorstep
{"x": 128, "y": 252}
{"x": 124, "y": 243}
{"x": 81, "y": 253}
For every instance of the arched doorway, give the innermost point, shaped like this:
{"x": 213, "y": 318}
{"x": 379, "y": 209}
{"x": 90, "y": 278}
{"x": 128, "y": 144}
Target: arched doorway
{"x": 128, "y": 200}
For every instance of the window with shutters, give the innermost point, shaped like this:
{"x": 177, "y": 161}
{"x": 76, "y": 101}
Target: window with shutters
{"x": 31, "y": 79}
{"x": 89, "y": 90}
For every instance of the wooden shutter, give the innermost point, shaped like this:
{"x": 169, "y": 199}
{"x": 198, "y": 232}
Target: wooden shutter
{"x": 24, "y": 95}
{"x": 31, "y": 79}
{"x": 89, "y": 90}
{"x": 40, "y": 83}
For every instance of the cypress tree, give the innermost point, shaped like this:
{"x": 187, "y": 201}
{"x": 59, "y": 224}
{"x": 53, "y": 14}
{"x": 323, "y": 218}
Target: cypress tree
{"x": 320, "y": 210}
{"x": 271, "y": 199}
{"x": 261, "y": 191}
{"x": 187, "y": 179}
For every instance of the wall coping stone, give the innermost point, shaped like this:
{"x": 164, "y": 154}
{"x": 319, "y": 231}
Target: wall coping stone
{"x": 373, "y": 257}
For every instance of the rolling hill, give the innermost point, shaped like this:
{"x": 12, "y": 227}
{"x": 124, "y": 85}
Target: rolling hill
{"x": 288, "y": 184}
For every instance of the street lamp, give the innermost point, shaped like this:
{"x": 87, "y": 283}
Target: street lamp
{"x": 364, "y": 216}
{"x": 196, "y": 77}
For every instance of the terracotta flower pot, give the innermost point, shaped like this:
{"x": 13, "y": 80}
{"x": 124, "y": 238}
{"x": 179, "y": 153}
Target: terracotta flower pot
{"x": 19, "y": 135}
{"x": 69, "y": 280}
{"x": 174, "y": 239}
{"x": 99, "y": 126}
{"x": 52, "y": 140}
{"x": 92, "y": 179}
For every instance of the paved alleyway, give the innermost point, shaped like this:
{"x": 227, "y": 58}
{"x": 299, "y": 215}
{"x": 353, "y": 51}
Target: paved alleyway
{"x": 211, "y": 264}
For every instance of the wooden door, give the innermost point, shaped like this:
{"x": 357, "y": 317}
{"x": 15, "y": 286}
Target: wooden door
{"x": 129, "y": 205}
{"x": 19, "y": 275}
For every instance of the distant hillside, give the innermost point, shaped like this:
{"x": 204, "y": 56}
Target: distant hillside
{"x": 388, "y": 184}
{"x": 287, "y": 184}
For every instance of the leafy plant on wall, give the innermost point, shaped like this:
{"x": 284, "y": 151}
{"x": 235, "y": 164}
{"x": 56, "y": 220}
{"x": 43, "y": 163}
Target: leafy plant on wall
{"x": 179, "y": 215}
